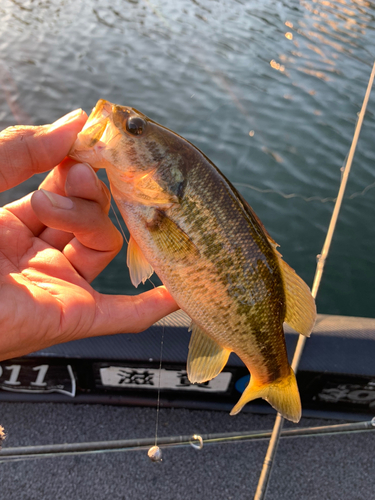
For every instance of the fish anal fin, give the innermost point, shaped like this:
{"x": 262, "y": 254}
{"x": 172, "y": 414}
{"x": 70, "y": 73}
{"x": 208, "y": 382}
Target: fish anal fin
{"x": 300, "y": 304}
{"x": 206, "y": 358}
{"x": 139, "y": 269}
{"x": 282, "y": 394}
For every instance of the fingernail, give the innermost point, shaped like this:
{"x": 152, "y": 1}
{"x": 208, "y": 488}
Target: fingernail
{"x": 70, "y": 117}
{"x": 58, "y": 201}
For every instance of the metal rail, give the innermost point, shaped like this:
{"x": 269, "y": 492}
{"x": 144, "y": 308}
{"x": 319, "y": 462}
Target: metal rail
{"x": 274, "y": 441}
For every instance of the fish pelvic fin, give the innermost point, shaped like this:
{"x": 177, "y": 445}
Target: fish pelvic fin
{"x": 139, "y": 269}
{"x": 282, "y": 394}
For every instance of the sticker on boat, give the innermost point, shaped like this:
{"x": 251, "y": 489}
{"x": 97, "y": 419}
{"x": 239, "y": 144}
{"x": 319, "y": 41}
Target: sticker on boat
{"x": 148, "y": 378}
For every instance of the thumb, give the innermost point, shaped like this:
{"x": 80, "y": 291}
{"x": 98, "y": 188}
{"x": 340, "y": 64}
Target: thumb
{"x": 132, "y": 313}
{"x": 25, "y": 151}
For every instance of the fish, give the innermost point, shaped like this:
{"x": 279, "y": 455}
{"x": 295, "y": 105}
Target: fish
{"x": 189, "y": 224}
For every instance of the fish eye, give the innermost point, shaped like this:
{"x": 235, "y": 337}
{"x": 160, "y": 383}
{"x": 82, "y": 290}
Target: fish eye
{"x": 135, "y": 125}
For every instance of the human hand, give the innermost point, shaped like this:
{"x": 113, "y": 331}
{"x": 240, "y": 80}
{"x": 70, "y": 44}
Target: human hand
{"x": 54, "y": 242}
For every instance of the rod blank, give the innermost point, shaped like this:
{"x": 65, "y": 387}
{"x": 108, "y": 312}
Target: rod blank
{"x": 9, "y": 454}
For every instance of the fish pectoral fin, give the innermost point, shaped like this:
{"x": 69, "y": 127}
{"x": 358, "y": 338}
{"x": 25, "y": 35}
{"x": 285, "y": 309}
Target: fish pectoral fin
{"x": 171, "y": 240}
{"x": 300, "y": 304}
{"x": 139, "y": 269}
{"x": 206, "y": 358}
{"x": 282, "y": 394}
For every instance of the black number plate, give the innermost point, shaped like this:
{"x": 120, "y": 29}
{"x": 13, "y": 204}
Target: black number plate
{"x": 37, "y": 377}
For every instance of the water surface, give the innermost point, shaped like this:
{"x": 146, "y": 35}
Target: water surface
{"x": 269, "y": 90}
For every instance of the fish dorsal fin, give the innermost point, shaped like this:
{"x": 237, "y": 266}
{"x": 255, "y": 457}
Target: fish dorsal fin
{"x": 139, "y": 269}
{"x": 171, "y": 240}
{"x": 206, "y": 357}
{"x": 300, "y": 304}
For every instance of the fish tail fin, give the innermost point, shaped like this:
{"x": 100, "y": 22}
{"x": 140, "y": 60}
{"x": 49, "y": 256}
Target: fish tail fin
{"x": 282, "y": 394}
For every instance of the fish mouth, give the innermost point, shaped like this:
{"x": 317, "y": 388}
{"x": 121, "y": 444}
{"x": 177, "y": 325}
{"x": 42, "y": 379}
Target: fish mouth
{"x": 101, "y": 110}
{"x": 97, "y": 122}
{"x": 88, "y": 145}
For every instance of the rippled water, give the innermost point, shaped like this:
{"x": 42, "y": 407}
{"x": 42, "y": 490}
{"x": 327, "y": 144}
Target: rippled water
{"x": 269, "y": 90}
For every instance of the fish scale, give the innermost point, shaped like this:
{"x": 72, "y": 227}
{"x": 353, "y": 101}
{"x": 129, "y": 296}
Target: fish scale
{"x": 190, "y": 225}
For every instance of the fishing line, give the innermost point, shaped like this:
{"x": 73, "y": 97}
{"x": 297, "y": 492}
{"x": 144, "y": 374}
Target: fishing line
{"x": 159, "y": 383}
{"x": 288, "y": 196}
{"x": 274, "y": 441}
{"x": 362, "y": 193}
{"x": 304, "y": 198}
{"x": 119, "y": 224}
{"x": 154, "y": 453}
{"x": 284, "y": 195}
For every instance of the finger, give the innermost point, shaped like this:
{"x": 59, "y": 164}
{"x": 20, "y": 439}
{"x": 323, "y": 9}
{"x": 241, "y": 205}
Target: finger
{"x": 85, "y": 218}
{"x": 96, "y": 240}
{"x": 56, "y": 238}
{"x": 131, "y": 314}
{"x": 56, "y": 179}
{"x": 55, "y": 182}
{"x": 80, "y": 181}
{"x": 26, "y": 150}
{"x": 23, "y": 211}
{"x": 76, "y": 179}
{"x": 67, "y": 178}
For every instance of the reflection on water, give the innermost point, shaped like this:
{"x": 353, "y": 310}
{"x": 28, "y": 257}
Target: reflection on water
{"x": 333, "y": 28}
{"x": 270, "y": 91}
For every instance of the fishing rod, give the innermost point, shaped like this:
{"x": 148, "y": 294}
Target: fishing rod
{"x": 322, "y": 257}
{"x": 195, "y": 441}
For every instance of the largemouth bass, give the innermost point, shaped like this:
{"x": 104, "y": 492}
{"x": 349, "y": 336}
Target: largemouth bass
{"x": 189, "y": 224}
